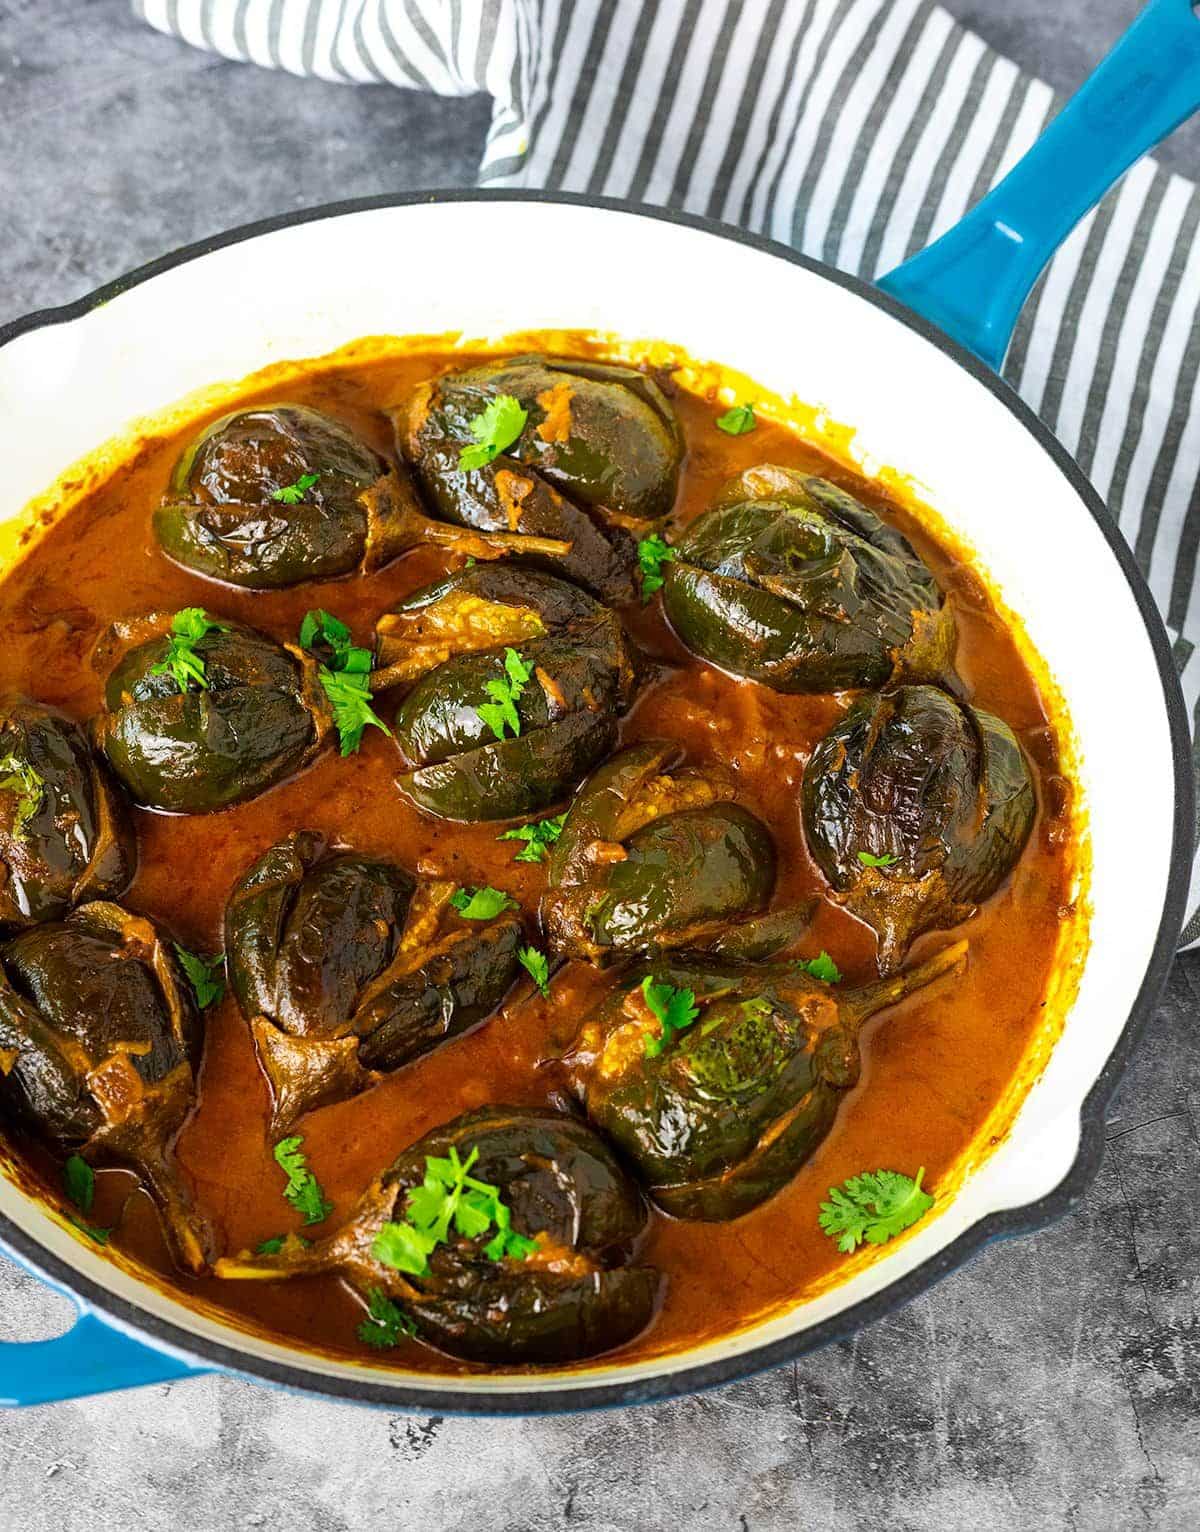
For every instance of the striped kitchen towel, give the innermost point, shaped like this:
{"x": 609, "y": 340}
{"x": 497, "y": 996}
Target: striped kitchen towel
{"x": 855, "y": 130}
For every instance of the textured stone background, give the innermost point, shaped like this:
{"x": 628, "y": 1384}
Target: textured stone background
{"x": 1053, "y": 1383}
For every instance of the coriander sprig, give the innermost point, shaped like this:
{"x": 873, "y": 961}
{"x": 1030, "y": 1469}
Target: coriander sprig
{"x": 501, "y": 712}
{"x": 18, "y": 777}
{"x": 79, "y": 1182}
{"x": 537, "y": 966}
{"x": 875, "y": 1207}
{"x": 868, "y": 860}
{"x": 675, "y": 1009}
{"x": 495, "y": 429}
{"x": 821, "y": 967}
{"x": 293, "y": 494}
{"x": 738, "y": 420}
{"x": 449, "y": 1197}
{"x": 538, "y": 836}
{"x": 182, "y": 662}
{"x": 205, "y": 975}
{"x": 303, "y": 1190}
{"x": 346, "y": 679}
{"x": 387, "y": 1322}
{"x": 481, "y": 903}
{"x": 653, "y": 553}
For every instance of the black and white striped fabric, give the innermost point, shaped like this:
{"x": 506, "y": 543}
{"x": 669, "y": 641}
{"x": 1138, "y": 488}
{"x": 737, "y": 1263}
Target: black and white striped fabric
{"x": 855, "y": 130}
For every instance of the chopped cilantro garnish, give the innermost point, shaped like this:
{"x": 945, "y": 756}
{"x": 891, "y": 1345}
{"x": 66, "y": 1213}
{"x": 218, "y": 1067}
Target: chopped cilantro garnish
{"x": 276, "y": 1243}
{"x": 292, "y": 494}
{"x": 874, "y": 1207}
{"x": 79, "y": 1179}
{"x": 181, "y": 661}
{"x": 821, "y": 967}
{"x": 868, "y": 860}
{"x": 346, "y": 678}
{"x": 537, "y": 967}
{"x": 738, "y": 420}
{"x": 18, "y": 777}
{"x": 495, "y": 429}
{"x": 388, "y": 1321}
{"x": 502, "y": 712}
{"x": 449, "y": 1197}
{"x": 653, "y": 553}
{"x": 303, "y": 1190}
{"x": 481, "y": 903}
{"x": 675, "y": 1009}
{"x": 206, "y": 975}
{"x": 538, "y": 837}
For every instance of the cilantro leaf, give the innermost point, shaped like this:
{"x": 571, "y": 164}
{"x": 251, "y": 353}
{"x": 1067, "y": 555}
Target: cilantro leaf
{"x": 537, "y": 967}
{"x": 19, "y": 778}
{"x": 868, "y": 860}
{"x": 99, "y": 1235}
{"x": 821, "y": 967}
{"x": 482, "y": 903}
{"x": 388, "y": 1321}
{"x": 293, "y": 494}
{"x": 675, "y": 1009}
{"x": 501, "y": 712}
{"x": 653, "y": 553}
{"x": 738, "y": 420}
{"x": 303, "y": 1190}
{"x": 206, "y": 975}
{"x": 495, "y": 429}
{"x": 276, "y": 1243}
{"x": 538, "y": 837}
{"x": 80, "y": 1181}
{"x": 181, "y": 661}
{"x": 346, "y": 678}
{"x": 875, "y": 1207}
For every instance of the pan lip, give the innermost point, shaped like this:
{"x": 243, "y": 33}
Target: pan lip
{"x": 442, "y": 1396}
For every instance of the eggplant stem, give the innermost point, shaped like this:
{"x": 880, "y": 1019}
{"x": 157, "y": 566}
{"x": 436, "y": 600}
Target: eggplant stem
{"x": 863, "y": 1003}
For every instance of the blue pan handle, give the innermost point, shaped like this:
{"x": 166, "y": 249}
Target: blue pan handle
{"x": 92, "y": 1357}
{"x": 973, "y": 281}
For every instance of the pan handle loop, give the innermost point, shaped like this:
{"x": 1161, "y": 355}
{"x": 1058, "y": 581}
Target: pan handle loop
{"x": 973, "y": 281}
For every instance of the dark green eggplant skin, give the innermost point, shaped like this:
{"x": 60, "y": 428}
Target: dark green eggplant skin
{"x": 78, "y": 844}
{"x": 601, "y": 450}
{"x": 789, "y": 581}
{"x": 262, "y": 717}
{"x": 579, "y": 1295}
{"x": 101, "y": 1040}
{"x": 347, "y": 968}
{"x": 942, "y": 788}
{"x": 583, "y": 678}
{"x": 734, "y": 1105}
{"x": 647, "y": 861}
{"x": 220, "y": 517}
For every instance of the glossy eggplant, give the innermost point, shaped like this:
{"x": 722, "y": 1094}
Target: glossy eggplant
{"x": 598, "y": 459}
{"x": 654, "y": 857}
{"x": 259, "y": 715}
{"x": 574, "y": 1295}
{"x": 347, "y": 968}
{"x": 65, "y": 831}
{"x": 916, "y": 809}
{"x": 100, "y": 1041}
{"x": 790, "y": 581}
{"x": 459, "y": 637}
{"x": 723, "y": 1112}
{"x": 273, "y": 496}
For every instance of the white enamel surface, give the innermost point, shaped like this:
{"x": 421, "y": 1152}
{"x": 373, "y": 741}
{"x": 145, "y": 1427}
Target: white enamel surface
{"x": 490, "y": 269}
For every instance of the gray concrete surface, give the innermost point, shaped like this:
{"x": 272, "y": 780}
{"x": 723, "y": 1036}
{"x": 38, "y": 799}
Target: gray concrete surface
{"x": 1054, "y": 1383}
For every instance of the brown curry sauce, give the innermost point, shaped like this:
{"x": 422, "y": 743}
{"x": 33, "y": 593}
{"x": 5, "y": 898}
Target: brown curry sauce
{"x": 936, "y": 1070}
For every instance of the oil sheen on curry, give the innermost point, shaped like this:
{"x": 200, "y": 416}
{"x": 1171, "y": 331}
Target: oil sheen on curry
{"x": 491, "y": 842}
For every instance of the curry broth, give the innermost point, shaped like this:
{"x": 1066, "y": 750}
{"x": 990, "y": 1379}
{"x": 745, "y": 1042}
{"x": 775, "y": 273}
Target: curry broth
{"x": 936, "y": 1069}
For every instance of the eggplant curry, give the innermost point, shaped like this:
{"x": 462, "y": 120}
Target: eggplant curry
{"x": 508, "y": 859}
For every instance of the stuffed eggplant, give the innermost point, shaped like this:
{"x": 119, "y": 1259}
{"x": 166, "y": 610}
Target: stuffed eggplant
{"x": 583, "y": 451}
{"x": 790, "y": 581}
{"x": 718, "y": 1082}
{"x": 204, "y": 713}
{"x": 346, "y": 968}
{"x": 916, "y": 809}
{"x": 506, "y": 1236}
{"x": 520, "y": 680}
{"x": 653, "y": 856}
{"x": 273, "y": 496}
{"x": 65, "y": 833}
{"x": 100, "y": 1041}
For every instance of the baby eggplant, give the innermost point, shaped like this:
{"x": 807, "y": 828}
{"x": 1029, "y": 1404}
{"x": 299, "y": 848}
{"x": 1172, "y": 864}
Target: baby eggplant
{"x": 790, "y": 581}
{"x": 99, "y": 1044}
{"x": 272, "y": 496}
{"x": 535, "y": 1269}
{"x": 596, "y": 454}
{"x": 65, "y": 835}
{"x": 916, "y": 809}
{"x": 652, "y": 858}
{"x": 719, "y": 1110}
{"x": 347, "y": 968}
{"x": 196, "y": 723}
{"x": 522, "y": 680}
